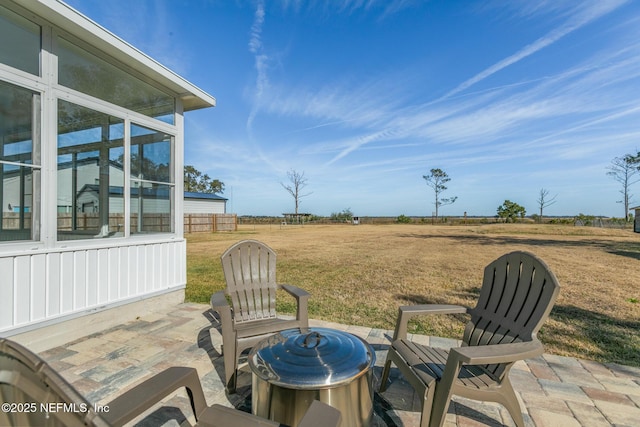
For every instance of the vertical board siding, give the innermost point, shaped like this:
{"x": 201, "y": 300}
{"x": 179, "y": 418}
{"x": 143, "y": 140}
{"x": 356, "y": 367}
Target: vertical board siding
{"x": 92, "y": 277}
{"x": 104, "y": 277}
{"x": 164, "y": 267}
{"x": 79, "y": 280}
{"x": 181, "y": 274}
{"x": 22, "y": 290}
{"x": 36, "y": 287}
{"x": 6, "y": 291}
{"x": 124, "y": 289}
{"x": 151, "y": 266}
{"x": 54, "y": 289}
{"x": 67, "y": 297}
{"x": 138, "y": 270}
{"x": 113, "y": 265}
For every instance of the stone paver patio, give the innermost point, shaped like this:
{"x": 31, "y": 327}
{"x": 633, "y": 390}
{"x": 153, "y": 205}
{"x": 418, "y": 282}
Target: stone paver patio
{"x": 554, "y": 390}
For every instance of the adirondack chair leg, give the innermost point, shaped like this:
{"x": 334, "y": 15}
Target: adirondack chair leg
{"x": 443, "y": 392}
{"x": 230, "y": 366}
{"x": 438, "y": 412}
{"x": 385, "y": 376}
{"x": 510, "y": 401}
{"x": 231, "y": 384}
{"x": 427, "y": 405}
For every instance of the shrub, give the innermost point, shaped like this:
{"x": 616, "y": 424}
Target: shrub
{"x": 583, "y": 219}
{"x": 345, "y": 216}
{"x": 403, "y": 219}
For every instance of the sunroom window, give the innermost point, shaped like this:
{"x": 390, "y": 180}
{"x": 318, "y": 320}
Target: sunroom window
{"x": 87, "y": 73}
{"x": 90, "y": 173}
{"x": 152, "y": 181}
{"x": 19, "y": 42}
{"x": 19, "y": 163}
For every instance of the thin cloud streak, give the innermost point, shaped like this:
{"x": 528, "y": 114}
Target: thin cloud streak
{"x": 470, "y": 118}
{"x": 594, "y": 11}
{"x": 261, "y": 63}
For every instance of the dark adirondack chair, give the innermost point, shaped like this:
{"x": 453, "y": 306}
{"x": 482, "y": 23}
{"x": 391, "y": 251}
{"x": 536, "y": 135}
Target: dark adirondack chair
{"x": 250, "y": 272}
{"x": 27, "y": 381}
{"x": 517, "y": 294}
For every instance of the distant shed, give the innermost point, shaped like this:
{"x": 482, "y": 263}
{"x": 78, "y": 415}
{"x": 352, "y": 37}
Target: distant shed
{"x": 204, "y": 203}
{"x": 636, "y": 219}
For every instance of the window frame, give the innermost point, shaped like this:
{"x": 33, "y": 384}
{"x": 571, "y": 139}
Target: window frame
{"x": 129, "y": 118}
{"x": 171, "y": 183}
{"x": 37, "y": 166}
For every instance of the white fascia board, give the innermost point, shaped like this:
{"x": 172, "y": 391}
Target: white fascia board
{"x": 64, "y": 16}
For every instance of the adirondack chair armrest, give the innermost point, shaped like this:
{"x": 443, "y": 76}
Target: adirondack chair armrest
{"x": 496, "y": 353}
{"x": 302, "y": 298}
{"x": 295, "y": 291}
{"x": 406, "y": 312}
{"x": 134, "y": 402}
{"x": 220, "y": 305}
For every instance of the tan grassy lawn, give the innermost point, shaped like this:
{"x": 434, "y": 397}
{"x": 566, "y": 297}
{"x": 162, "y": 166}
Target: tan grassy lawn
{"x": 360, "y": 274}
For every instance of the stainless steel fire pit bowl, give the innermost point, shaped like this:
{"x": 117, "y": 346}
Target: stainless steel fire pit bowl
{"x": 295, "y": 367}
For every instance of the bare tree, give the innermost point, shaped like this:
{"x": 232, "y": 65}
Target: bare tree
{"x": 625, "y": 170}
{"x": 437, "y": 180}
{"x": 544, "y": 200}
{"x": 297, "y": 183}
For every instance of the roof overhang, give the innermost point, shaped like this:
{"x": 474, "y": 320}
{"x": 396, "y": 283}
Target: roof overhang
{"x": 203, "y": 196}
{"x": 64, "y": 16}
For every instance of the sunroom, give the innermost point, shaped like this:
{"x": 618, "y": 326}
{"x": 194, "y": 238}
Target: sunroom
{"x": 91, "y": 160}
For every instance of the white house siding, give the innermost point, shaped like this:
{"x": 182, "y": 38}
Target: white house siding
{"x": 50, "y": 285}
{"x": 204, "y": 206}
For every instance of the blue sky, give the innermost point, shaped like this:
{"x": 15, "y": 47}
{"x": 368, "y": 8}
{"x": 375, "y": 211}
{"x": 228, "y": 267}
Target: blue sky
{"x": 366, "y": 96}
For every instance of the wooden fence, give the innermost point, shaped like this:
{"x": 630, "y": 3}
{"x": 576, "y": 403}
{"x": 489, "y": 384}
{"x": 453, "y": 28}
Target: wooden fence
{"x": 210, "y": 223}
{"x": 193, "y": 223}
{"x": 11, "y": 221}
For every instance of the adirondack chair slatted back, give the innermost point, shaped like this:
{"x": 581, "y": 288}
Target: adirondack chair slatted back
{"x": 250, "y": 272}
{"x": 517, "y": 294}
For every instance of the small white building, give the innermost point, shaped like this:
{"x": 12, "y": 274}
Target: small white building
{"x": 91, "y": 166}
{"x": 204, "y": 203}
{"x": 636, "y": 218}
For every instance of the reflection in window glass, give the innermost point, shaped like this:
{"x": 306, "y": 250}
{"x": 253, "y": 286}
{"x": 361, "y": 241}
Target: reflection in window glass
{"x": 20, "y": 46}
{"x": 19, "y": 163}
{"x": 151, "y": 208}
{"x": 152, "y": 189}
{"x": 90, "y": 173}
{"x": 84, "y": 72}
{"x": 17, "y": 202}
{"x": 150, "y": 154}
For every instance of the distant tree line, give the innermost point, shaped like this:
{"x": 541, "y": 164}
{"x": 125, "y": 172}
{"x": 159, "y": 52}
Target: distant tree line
{"x": 624, "y": 169}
